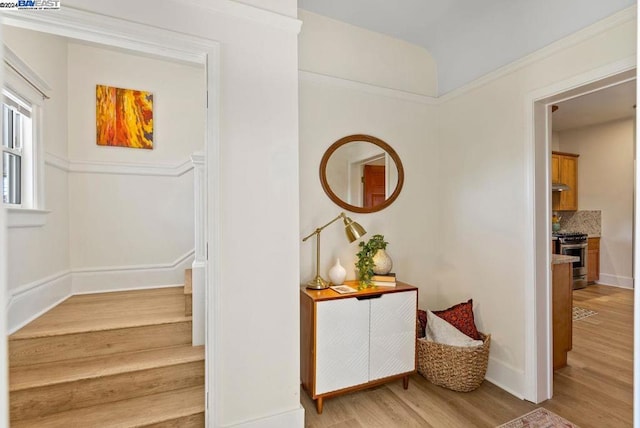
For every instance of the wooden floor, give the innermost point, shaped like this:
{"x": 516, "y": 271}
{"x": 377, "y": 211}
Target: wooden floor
{"x": 595, "y": 390}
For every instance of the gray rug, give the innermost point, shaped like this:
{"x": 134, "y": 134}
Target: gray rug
{"x": 539, "y": 418}
{"x": 580, "y": 313}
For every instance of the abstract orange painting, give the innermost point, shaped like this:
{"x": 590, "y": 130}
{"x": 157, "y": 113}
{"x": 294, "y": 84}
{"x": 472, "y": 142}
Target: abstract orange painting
{"x": 124, "y": 117}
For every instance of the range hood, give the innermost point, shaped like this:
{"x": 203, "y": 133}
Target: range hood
{"x": 559, "y": 187}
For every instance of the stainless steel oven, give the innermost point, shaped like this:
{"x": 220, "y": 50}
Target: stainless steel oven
{"x": 575, "y": 244}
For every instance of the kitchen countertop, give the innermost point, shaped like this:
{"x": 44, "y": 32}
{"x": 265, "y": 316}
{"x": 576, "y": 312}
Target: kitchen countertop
{"x": 560, "y": 258}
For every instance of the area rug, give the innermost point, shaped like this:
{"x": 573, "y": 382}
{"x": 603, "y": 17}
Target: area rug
{"x": 539, "y": 418}
{"x": 580, "y": 313}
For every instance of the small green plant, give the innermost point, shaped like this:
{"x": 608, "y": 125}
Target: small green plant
{"x": 365, "y": 258}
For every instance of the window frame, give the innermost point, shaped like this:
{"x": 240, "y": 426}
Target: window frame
{"x": 17, "y": 107}
{"x": 29, "y": 88}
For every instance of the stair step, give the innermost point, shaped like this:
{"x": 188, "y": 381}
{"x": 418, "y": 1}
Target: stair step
{"x": 188, "y": 292}
{"x": 36, "y": 350}
{"x": 181, "y": 408}
{"x": 105, "y": 311}
{"x": 43, "y": 389}
{"x": 46, "y": 374}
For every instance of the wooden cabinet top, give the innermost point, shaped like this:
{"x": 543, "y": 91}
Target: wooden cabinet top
{"x": 329, "y": 294}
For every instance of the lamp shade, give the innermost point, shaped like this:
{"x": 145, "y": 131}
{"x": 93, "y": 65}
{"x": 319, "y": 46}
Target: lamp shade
{"x": 353, "y": 229}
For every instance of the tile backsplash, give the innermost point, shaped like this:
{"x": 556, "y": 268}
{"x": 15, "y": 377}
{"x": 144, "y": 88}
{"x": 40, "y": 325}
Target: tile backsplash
{"x": 589, "y": 222}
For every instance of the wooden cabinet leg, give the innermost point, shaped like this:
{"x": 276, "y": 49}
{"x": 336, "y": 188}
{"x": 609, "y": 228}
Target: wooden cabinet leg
{"x": 319, "y": 404}
{"x": 405, "y": 382}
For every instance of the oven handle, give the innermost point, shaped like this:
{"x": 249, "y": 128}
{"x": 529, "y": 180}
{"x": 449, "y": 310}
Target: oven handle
{"x": 572, "y": 246}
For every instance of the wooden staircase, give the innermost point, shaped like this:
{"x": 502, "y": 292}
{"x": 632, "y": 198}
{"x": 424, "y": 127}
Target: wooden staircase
{"x": 121, "y": 359}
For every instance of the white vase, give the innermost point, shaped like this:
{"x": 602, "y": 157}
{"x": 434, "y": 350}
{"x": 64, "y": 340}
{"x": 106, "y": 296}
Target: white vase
{"x": 382, "y": 263}
{"x": 337, "y": 273}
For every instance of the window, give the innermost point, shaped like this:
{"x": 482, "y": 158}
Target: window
{"x": 16, "y": 148}
{"x": 22, "y": 106}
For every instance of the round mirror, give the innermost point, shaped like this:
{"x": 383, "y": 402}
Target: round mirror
{"x": 361, "y": 173}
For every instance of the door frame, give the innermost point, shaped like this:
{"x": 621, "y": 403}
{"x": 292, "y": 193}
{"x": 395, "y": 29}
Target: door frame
{"x": 358, "y": 165}
{"x": 538, "y": 326}
{"x": 92, "y": 27}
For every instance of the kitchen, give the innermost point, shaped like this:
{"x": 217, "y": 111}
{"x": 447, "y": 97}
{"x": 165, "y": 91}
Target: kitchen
{"x": 592, "y": 200}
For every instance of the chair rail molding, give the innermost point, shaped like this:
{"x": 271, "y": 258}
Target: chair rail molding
{"x": 160, "y": 169}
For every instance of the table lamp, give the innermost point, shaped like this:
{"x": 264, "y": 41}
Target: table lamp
{"x": 353, "y": 231}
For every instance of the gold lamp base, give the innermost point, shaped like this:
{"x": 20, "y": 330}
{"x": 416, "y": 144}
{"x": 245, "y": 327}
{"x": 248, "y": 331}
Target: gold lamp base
{"x": 318, "y": 283}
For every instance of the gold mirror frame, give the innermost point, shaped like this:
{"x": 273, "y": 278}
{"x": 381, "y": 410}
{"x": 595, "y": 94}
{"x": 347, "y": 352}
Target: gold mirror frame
{"x": 367, "y": 138}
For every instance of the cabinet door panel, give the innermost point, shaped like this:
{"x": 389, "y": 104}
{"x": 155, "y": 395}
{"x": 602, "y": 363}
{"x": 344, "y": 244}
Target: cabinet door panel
{"x": 555, "y": 169}
{"x": 392, "y": 334}
{"x": 342, "y": 344}
{"x": 569, "y": 176}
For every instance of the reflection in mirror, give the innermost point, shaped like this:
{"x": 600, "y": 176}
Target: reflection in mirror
{"x": 361, "y": 173}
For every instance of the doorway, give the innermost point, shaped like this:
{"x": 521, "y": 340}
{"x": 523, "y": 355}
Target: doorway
{"x": 539, "y": 373}
{"x": 153, "y": 42}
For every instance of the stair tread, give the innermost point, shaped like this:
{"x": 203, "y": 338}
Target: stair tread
{"x": 99, "y": 325}
{"x": 104, "y": 311}
{"x": 44, "y": 374}
{"x": 134, "y": 412}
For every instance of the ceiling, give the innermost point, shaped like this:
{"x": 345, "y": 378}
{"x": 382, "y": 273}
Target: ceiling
{"x": 613, "y": 103}
{"x": 470, "y": 38}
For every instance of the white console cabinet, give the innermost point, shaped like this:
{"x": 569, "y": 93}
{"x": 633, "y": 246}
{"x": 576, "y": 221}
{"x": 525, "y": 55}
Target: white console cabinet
{"x": 354, "y": 341}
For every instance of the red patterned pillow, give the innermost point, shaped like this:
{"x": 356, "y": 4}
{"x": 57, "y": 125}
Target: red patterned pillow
{"x": 461, "y": 317}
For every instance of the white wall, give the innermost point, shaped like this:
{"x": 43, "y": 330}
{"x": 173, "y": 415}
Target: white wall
{"x": 334, "y": 48}
{"x": 178, "y": 103}
{"x": 484, "y": 194}
{"x": 130, "y": 219}
{"x": 555, "y": 141}
{"x": 605, "y": 182}
{"x": 330, "y": 110}
{"x": 40, "y": 252}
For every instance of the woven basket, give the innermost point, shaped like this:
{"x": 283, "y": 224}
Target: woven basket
{"x": 454, "y": 367}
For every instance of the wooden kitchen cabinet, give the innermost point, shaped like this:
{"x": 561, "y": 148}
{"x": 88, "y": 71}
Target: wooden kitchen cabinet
{"x": 593, "y": 260}
{"x": 564, "y": 169}
{"x": 358, "y": 340}
{"x": 562, "y": 313}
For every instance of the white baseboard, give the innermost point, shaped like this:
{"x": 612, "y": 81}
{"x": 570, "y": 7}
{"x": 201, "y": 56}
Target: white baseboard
{"x": 615, "y": 280}
{"x": 29, "y": 301}
{"x": 506, "y": 377}
{"x": 119, "y": 278}
{"x": 290, "y": 419}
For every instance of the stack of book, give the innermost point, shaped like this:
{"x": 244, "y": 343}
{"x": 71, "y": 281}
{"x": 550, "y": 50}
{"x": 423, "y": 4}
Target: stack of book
{"x": 388, "y": 280}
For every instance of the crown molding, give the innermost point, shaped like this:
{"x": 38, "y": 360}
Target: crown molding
{"x": 92, "y": 27}
{"x": 615, "y": 20}
{"x": 310, "y": 76}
